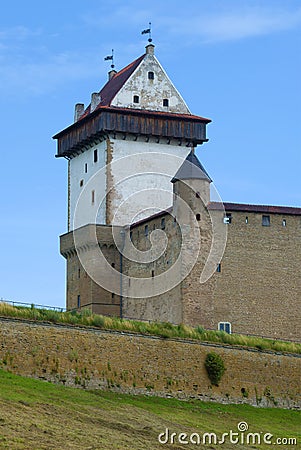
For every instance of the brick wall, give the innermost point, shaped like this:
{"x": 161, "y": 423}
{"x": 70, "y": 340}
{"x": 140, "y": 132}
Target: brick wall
{"x": 139, "y": 364}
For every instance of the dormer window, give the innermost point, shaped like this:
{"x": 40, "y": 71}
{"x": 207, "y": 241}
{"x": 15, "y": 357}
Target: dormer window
{"x": 151, "y": 75}
{"x": 136, "y": 99}
{"x": 165, "y": 102}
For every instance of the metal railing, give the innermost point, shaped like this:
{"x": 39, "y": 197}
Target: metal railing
{"x": 59, "y": 309}
{"x": 32, "y": 305}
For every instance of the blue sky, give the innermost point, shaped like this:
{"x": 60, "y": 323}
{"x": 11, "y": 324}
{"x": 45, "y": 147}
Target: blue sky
{"x": 237, "y": 62}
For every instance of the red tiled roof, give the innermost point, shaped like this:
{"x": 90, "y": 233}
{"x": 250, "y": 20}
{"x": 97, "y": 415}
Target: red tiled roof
{"x": 269, "y": 209}
{"x": 111, "y": 88}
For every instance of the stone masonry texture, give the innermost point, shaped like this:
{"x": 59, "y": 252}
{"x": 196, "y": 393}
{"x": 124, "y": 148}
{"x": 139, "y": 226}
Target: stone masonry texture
{"x": 132, "y": 363}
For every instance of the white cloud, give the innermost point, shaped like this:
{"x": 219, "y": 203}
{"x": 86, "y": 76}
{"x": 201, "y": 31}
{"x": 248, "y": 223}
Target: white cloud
{"x": 40, "y": 77}
{"x": 236, "y": 24}
{"x": 17, "y": 33}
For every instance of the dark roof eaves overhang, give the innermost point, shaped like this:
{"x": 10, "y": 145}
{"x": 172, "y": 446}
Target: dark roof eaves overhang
{"x": 105, "y": 120}
{"x": 139, "y": 112}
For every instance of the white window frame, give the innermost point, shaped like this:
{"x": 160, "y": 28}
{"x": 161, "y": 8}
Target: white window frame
{"x": 224, "y": 324}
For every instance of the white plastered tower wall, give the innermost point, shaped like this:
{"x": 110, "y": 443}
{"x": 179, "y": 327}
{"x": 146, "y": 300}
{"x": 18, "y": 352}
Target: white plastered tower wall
{"x": 83, "y": 168}
{"x": 148, "y": 190}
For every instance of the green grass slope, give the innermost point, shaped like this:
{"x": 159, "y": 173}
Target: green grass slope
{"x": 165, "y": 330}
{"x": 37, "y": 415}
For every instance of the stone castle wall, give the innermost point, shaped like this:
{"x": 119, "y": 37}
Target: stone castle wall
{"x": 257, "y": 289}
{"x": 135, "y": 363}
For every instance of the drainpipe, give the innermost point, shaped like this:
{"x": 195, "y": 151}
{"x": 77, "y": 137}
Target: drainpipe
{"x": 122, "y": 234}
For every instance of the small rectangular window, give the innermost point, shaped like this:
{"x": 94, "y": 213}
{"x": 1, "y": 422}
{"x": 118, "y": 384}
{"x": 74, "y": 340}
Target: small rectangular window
{"x": 165, "y": 102}
{"x": 78, "y": 301}
{"x": 225, "y": 326}
{"x": 93, "y": 197}
{"x": 146, "y": 230}
{"x": 219, "y": 268}
{"x": 266, "y": 221}
{"x": 131, "y": 236}
{"x": 151, "y": 75}
{"x": 86, "y": 168}
{"x": 95, "y": 156}
{"x": 228, "y": 218}
{"x": 136, "y": 99}
{"x": 284, "y": 222}
{"x": 163, "y": 223}
{"x": 81, "y": 183}
{"x": 153, "y": 273}
{"x": 247, "y": 219}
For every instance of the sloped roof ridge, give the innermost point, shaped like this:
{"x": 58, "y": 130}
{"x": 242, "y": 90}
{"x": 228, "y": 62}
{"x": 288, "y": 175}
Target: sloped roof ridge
{"x": 191, "y": 169}
{"x": 113, "y": 86}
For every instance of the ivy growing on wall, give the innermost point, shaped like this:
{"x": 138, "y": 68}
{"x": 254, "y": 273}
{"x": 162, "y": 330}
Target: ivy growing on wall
{"x": 215, "y": 367}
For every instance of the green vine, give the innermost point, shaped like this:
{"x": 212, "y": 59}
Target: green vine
{"x": 215, "y": 367}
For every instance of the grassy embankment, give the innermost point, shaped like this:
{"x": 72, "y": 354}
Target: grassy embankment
{"x": 37, "y": 415}
{"x": 165, "y": 330}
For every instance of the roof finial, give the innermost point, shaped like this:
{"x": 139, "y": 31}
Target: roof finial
{"x": 110, "y": 58}
{"x": 148, "y": 31}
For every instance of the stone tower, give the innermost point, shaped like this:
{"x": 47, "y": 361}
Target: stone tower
{"x": 137, "y": 112}
{"x": 191, "y": 187}
{"x": 122, "y": 151}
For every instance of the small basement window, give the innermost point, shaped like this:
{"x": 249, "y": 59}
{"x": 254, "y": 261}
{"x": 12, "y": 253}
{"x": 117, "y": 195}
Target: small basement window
{"x": 151, "y": 75}
{"x": 136, "y": 99}
{"x": 266, "y": 221}
{"x": 225, "y": 326}
{"x": 165, "y": 102}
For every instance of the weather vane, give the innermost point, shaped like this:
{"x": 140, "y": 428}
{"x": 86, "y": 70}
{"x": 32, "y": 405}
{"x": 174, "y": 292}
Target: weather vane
{"x": 110, "y": 58}
{"x": 148, "y": 31}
